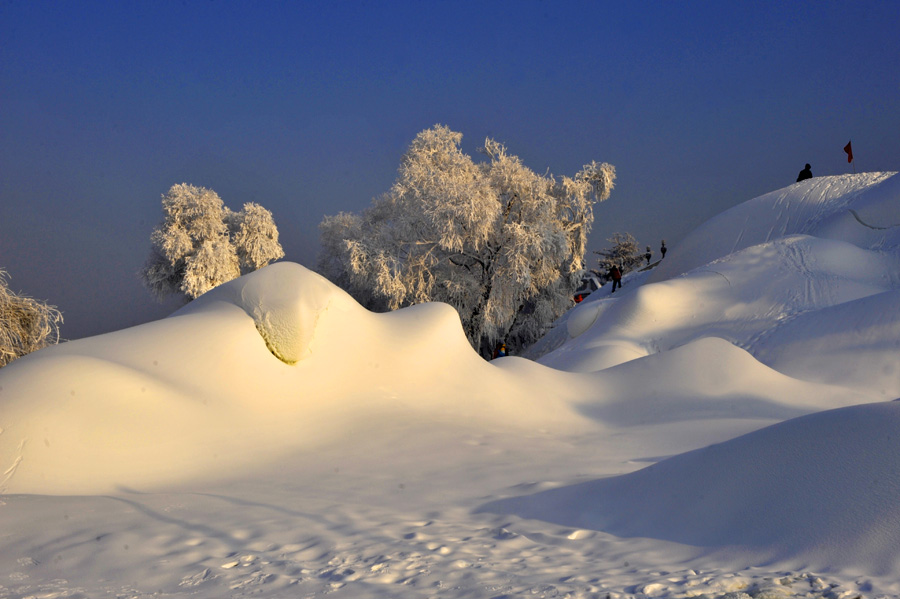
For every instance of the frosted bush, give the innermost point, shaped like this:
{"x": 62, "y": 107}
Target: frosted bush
{"x": 624, "y": 253}
{"x": 26, "y": 324}
{"x": 255, "y": 237}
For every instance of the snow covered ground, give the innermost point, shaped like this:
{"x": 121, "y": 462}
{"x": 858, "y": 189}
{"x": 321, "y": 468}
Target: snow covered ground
{"x": 723, "y": 424}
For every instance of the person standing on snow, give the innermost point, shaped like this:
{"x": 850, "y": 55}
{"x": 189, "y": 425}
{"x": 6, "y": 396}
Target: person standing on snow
{"x": 662, "y": 249}
{"x": 648, "y": 255}
{"x": 804, "y": 174}
{"x": 615, "y": 273}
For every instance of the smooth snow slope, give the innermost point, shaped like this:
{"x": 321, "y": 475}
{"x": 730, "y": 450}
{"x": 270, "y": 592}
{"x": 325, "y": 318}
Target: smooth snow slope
{"x": 816, "y": 490}
{"x": 274, "y": 438}
{"x": 199, "y": 392}
{"x": 821, "y": 308}
{"x": 820, "y": 490}
{"x": 858, "y": 209}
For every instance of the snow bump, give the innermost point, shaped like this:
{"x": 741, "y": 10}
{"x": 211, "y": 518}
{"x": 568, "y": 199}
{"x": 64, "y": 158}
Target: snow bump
{"x": 286, "y": 313}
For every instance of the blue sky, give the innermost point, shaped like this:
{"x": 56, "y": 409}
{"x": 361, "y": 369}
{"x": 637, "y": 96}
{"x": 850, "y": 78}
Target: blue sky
{"x": 307, "y": 107}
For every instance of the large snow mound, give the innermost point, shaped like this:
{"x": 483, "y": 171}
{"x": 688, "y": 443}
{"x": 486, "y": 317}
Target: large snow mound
{"x": 273, "y": 362}
{"x": 820, "y": 308}
{"x": 722, "y": 382}
{"x": 798, "y": 285}
{"x": 822, "y": 486}
{"x": 859, "y": 209}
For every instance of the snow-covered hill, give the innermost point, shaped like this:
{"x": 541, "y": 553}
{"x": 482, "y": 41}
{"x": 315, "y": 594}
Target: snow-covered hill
{"x": 724, "y": 423}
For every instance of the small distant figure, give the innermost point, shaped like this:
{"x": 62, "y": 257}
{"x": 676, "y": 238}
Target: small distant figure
{"x": 615, "y": 273}
{"x": 500, "y": 351}
{"x": 804, "y": 174}
{"x": 648, "y": 255}
{"x": 662, "y": 249}
{"x": 579, "y": 298}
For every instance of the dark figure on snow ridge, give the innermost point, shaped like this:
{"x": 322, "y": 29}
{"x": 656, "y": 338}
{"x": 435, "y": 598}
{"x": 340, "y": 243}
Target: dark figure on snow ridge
{"x": 662, "y": 249}
{"x": 804, "y": 174}
{"x": 648, "y": 255}
{"x": 615, "y": 273}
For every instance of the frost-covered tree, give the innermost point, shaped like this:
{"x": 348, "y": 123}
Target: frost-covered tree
{"x": 335, "y": 260}
{"x": 503, "y": 245}
{"x": 255, "y": 237}
{"x": 202, "y": 244}
{"x": 26, "y": 324}
{"x": 624, "y": 253}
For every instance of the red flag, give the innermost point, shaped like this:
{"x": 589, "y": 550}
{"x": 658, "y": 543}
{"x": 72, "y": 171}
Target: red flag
{"x": 849, "y": 149}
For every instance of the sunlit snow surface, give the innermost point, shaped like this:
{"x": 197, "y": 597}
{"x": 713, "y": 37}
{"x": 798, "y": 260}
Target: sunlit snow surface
{"x": 724, "y": 423}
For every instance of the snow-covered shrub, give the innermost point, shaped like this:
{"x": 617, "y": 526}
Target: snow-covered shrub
{"x": 624, "y": 253}
{"x": 26, "y": 324}
{"x": 202, "y": 244}
{"x": 255, "y": 237}
{"x": 502, "y": 244}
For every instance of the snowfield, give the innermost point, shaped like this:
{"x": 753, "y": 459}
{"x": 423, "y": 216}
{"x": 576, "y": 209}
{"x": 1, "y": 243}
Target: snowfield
{"x": 725, "y": 424}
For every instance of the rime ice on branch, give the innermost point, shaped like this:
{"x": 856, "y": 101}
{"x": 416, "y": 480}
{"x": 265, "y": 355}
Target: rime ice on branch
{"x": 502, "y": 244}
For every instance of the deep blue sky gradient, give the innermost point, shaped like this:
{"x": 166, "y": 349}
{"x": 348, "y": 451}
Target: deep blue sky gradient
{"x": 307, "y": 107}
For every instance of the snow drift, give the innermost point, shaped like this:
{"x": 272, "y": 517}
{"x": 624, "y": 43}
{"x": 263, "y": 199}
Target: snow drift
{"x": 820, "y": 489}
{"x": 753, "y": 368}
{"x": 275, "y": 361}
{"x": 822, "y": 309}
{"x": 817, "y": 489}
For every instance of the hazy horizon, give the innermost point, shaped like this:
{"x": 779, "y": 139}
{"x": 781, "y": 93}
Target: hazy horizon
{"x": 307, "y": 109}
